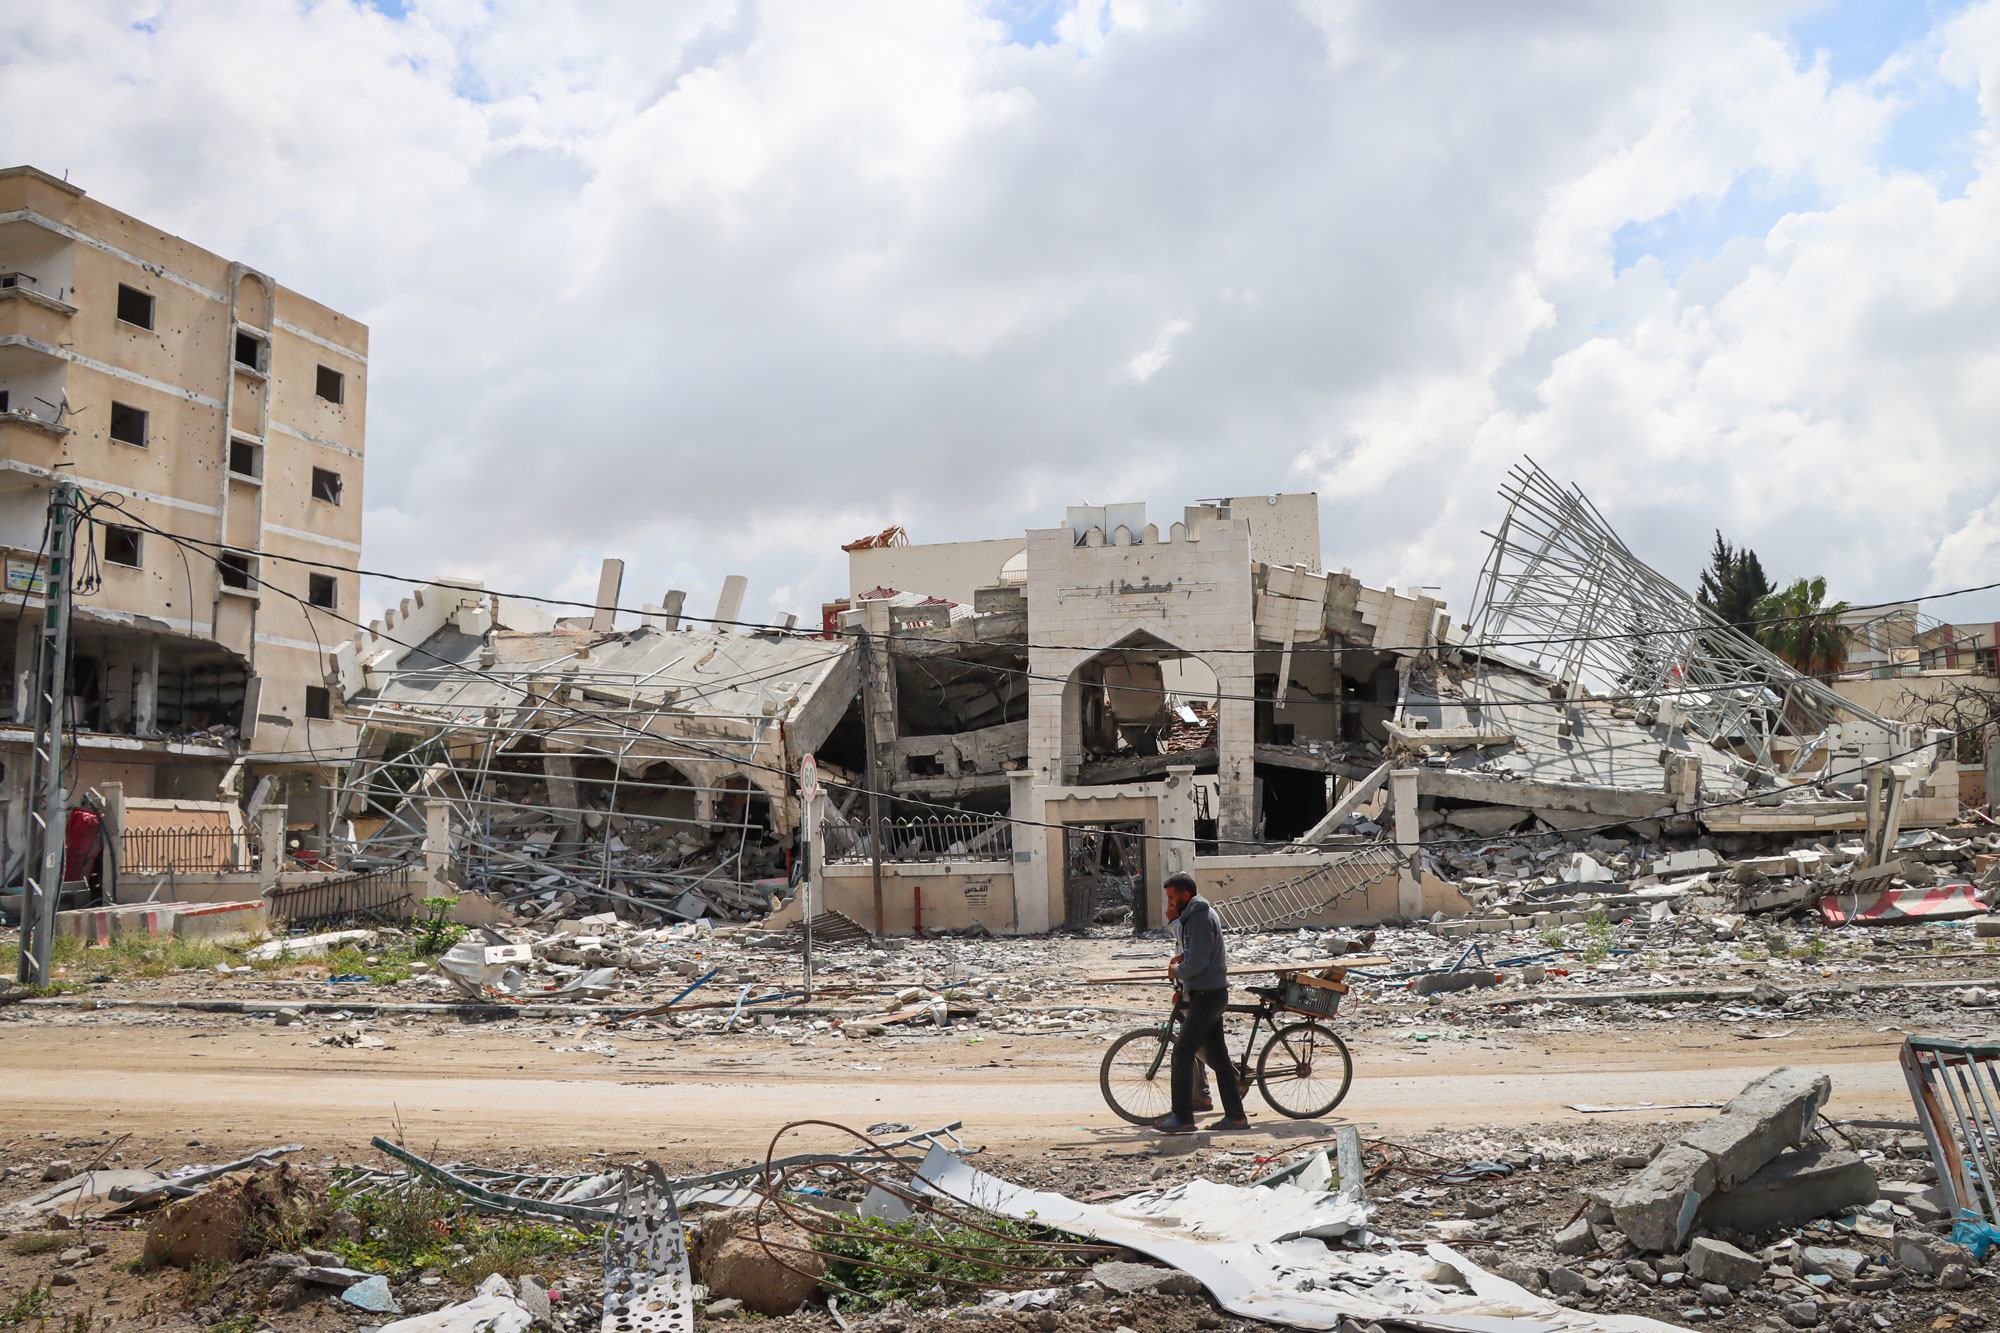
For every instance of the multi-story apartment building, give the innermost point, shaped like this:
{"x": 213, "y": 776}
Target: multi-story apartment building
{"x": 193, "y": 395}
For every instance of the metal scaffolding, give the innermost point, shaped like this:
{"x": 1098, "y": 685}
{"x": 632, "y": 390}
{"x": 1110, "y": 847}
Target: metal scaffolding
{"x": 1562, "y": 595}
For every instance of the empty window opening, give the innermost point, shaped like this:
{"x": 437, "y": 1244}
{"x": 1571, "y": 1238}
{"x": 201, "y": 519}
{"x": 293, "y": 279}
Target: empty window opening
{"x": 326, "y": 485}
{"x": 135, "y": 306}
{"x": 236, "y": 569}
{"x": 246, "y": 459}
{"x": 323, "y": 591}
{"x": 319, "y": 703}
{"x": 128, "y": 424}
{"x": 249, "y": 350}
{"x": 332, "y": 385}
{"x": 121, "y": 546}
{"x": 3, "y": 400}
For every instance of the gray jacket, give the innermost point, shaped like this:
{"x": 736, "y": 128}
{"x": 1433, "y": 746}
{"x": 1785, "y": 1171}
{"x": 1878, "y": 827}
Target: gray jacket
{"x": 1204, "y": 960}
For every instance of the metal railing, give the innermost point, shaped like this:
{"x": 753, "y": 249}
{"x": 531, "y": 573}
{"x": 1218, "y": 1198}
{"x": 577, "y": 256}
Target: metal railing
{"x": 380, "y": 894}
{"x": 926, "y": 838}
{"x": 204, "y": 850}
{"x": 1956, "y": 1088}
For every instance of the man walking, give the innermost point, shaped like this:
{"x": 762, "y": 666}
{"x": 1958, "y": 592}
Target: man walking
{"x": 1202, "y": 969}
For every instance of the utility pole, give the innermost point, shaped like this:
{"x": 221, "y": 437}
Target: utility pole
{"x": 811, "y": 891}
{"x": 873, "y": 778}
{"x": 44, "y": 889}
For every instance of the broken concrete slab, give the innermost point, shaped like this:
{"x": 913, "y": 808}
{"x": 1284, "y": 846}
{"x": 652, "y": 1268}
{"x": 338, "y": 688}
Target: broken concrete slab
{"x": 309, "y": 946}
{"x": 1441, "y": 983}
{"x": 1718, "y": 1261}
{"x": 1927, "y": 1203}
{"x": 1792, "y": 1189}
{"x": 1656, "y": 1207}
{"x": 1127, "y": 1279}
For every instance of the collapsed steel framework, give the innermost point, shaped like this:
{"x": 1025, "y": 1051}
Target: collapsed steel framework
{"x": 1561, "y": 594}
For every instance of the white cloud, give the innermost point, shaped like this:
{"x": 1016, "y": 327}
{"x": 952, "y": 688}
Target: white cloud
{"x": 717, "y": 286}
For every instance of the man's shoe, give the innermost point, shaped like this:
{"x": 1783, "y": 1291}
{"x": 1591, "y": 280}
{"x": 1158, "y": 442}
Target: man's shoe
{"x": 1203, "y": 1105}
{"x": 1230, "y": 1122}
{"x": 1166, "y": 1124}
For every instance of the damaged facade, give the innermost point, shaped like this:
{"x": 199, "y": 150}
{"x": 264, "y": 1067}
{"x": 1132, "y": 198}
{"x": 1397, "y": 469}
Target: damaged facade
{"x": 1053, "y": 725}
{"x": 193, "y": 395}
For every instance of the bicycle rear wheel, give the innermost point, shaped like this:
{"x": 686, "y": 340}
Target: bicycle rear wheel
{"x": 1305, "y": 1070}
{"x": 1136, "y": 1076}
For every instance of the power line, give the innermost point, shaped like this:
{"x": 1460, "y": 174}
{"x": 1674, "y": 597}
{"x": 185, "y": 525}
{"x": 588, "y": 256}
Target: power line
{"x": 771, "y": 627}
{"x": 788, "y": 777}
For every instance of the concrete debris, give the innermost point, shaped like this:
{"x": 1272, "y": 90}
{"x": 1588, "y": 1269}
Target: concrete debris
{"x": 771, "y": 1271}
{"x": 1656, "y": 1208}
{"x": 1791, "y": 1190}
{"x": 225, "y": 1223}
{"x": 495, "y": 1309}
{"x": 1250, "y": 1267}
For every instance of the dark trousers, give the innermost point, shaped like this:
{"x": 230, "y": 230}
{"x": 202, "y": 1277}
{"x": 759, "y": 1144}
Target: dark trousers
{"x": 1201, "y": 1034}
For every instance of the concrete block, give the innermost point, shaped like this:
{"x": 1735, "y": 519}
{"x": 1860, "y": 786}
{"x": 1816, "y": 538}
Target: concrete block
{"x": 1681, "y": 863}
{"x": 1763, "y": 1120}
{"x": 1792, "y": 1189}
{"x": 1656, "y": 1207}
{"x": 1720, "y": 1262}
{"x": 1439, "y": 983}
{"x": 222, "y": 921}
{"x": 1926, "y": 1202}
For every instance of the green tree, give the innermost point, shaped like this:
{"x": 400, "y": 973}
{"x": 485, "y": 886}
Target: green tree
{"x": 1733, "y": 583}
{"x": 1801, "y": 626}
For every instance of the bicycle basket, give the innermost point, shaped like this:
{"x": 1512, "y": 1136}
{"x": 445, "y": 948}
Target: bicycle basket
{"x": 1317, "y": 994}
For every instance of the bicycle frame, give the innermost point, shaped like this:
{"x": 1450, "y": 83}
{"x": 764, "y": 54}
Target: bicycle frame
{"x": 1260, "y": 1013}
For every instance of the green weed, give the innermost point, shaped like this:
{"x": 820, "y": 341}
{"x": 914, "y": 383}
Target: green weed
{"x": 37, "y": 1302}
{"x": 435, "y": 931}
{"x": 423, "y": 1228}
{"x": 1597, "y": 934}
{"x": 199, "y": 1282}
{"x": 876, "y": 1260}
{"x": 37, "y": 1242}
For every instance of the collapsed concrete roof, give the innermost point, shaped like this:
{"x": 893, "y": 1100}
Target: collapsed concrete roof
{"x": 748, "y": 704}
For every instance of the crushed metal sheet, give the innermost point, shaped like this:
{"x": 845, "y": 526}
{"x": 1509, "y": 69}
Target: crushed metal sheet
{"x": 1300, "y": 1283}
{"x": 647, "y": 1286}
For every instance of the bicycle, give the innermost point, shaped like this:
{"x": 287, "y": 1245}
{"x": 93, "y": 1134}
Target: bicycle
{"x": 1303, "y": 1071}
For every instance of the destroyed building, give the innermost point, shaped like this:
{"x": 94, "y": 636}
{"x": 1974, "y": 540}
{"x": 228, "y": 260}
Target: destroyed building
{"x": 634, "y": 766}
{"x": 1050, "y": 726}
{"x": 213, "y": 420}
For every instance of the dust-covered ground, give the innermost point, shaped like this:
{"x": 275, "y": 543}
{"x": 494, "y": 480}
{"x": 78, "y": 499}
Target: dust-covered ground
{"x": 326, "y": 1056}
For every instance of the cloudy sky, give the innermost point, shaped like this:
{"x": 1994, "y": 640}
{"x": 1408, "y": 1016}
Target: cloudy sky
{"x": 718, "y": 285}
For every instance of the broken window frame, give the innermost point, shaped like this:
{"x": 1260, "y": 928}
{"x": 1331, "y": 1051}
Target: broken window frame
{"x": 137, "y": 415}
{"x": 326, "y": 377}
{"x": 238, "y": 572}
{"x": 254, "y": 452}
{"x": 326, "y": 485}
{"x": 135, "y": 301}
{"x": 119, "y": 540}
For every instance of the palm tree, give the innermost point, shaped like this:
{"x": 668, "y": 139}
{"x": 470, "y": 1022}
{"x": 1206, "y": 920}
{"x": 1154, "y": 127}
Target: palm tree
{"x": 1798, "y": 624}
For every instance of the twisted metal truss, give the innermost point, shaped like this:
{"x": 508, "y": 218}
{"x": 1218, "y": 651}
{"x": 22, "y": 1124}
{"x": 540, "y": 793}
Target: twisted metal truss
{"x": 1561, "y": 594}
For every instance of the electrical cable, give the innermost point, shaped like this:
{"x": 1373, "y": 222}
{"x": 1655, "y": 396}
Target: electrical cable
{"x": 792, "y": 630}
{"x": 788, "y": 777}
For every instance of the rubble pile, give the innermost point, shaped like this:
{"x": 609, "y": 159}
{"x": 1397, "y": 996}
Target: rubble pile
{"x": 1515, "y": 882}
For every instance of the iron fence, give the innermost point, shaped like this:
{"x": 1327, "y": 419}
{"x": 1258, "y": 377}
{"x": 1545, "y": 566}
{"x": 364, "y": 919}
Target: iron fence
{"x": 1956, "y": 1088}
{"x": 966, "y": 837}
{"x": 203, "y": 850}
{"x": 380, "y": 894}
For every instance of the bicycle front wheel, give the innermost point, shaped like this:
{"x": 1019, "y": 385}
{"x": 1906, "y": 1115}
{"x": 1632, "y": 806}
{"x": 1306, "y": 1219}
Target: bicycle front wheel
{"x": 1136, "y": 1076}
{"x": 1305, "y": 1070}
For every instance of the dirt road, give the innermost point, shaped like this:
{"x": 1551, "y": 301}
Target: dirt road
{"x": 479, "y": 1092}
